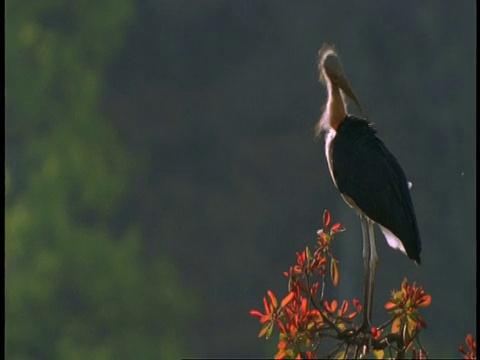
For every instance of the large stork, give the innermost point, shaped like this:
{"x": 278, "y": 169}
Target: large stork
{"x": 366, "y": 173}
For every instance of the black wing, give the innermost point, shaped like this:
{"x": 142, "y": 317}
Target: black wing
{"x": 366, "y": 171}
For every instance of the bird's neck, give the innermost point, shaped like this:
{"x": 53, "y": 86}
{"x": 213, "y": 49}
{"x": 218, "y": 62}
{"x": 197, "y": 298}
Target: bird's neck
{"x": 336, "y": 107}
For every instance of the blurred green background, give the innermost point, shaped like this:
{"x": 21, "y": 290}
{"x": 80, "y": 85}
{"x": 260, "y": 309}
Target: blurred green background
{"x": 161, "y": 170}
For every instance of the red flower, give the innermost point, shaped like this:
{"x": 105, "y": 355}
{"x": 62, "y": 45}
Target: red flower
{"x": 471, "y": 353}
{"x": 376, "y": 333}
{"x": 282, "y": 350}
{"x": 404, "y": 306}
{"x": 271, "y": 312}
{"x": 342, "y": 312}
{"x": 357, "y": 305}
{"x": 301, "y": 322}
{"x": 307, "y": 355}
{"x": 324, "y": 238}
{"x": 326, "y": 218}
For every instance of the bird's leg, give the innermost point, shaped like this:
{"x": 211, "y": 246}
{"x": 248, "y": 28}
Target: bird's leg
{"x": 366, "y": 272}
{"x": 373, "y": 268}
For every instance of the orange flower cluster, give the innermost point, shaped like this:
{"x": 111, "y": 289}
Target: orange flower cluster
{"x": 297, "y": 319}
{"x": 404, "y": 306}
{"x": 272, "y": 312}
{"x": 304, "y": 317}
{"x": 341, "y": 313}
{"x": 300, "y": 325}
{"x": 292, "y": 317}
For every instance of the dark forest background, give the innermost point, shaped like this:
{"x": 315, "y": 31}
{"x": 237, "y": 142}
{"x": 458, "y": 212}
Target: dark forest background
{"x": 161, "y": 167}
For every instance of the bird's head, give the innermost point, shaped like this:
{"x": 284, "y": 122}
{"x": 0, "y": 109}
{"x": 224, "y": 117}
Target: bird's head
{"x": 331, "y": 71}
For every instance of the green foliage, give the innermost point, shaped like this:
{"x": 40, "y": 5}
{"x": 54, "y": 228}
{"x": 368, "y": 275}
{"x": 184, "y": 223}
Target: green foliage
{"x": 73, "y": 288}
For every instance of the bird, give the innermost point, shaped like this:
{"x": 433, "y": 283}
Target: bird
{"x": 367, "y": 175}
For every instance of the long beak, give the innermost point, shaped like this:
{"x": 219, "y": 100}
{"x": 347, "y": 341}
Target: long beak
{"x": 330, "y": 66}
{"x": 343, "y": 84}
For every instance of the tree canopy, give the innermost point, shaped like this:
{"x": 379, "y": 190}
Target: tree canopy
{"x": 78, "y": 284}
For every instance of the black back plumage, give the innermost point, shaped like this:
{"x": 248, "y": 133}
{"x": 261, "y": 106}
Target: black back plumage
{"x": 366, "y": 171}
